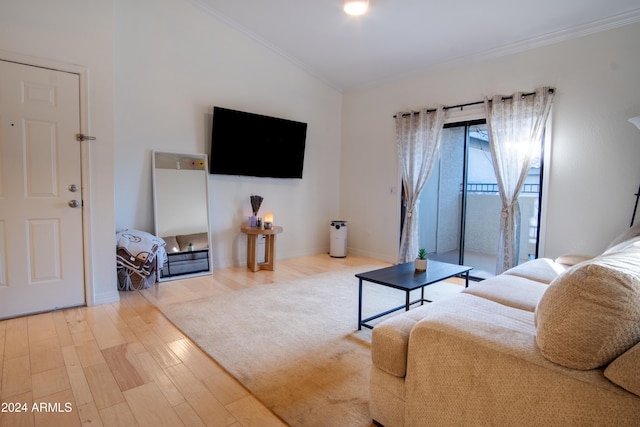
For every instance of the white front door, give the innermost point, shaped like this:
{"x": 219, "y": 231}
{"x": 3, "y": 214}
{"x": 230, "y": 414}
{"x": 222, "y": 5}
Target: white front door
{"x": 41, "y": 253}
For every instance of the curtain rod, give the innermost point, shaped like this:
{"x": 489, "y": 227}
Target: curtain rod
{"x": 468, "y": 104}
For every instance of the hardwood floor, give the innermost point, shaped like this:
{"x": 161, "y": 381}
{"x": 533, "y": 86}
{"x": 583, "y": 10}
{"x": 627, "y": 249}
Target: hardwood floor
{"x": 125, "y": 364}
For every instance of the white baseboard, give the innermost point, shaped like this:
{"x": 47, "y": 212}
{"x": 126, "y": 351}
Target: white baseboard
{"x": 105, "y": 298}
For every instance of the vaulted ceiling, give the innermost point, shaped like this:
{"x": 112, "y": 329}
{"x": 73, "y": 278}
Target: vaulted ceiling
{"x": 399, "y": 38}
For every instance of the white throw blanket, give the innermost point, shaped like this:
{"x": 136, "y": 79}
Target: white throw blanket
{"x": 140, "y": 249}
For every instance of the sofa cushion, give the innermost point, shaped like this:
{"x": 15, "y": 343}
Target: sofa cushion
{"x": 591, "y": 313}
{"x": 628, "y": 234}
{"x": 541, "y": 270}
{"x": 633, "y": 242}
{"x": 625, "y": 370}
{"x": 512, "y": 291}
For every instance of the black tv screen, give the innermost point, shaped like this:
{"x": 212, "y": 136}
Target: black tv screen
{"x": 255, "y": 145}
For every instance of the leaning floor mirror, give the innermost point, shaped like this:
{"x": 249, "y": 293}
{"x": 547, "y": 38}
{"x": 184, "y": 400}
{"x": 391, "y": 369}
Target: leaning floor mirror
{"x": 181, "y": 211}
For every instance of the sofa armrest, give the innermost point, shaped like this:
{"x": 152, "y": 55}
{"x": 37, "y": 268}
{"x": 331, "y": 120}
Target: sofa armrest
{"x": 541, "y": 270}
{"x": 572, "y": 259}
{"x": 198, "y": 240}
{"x": 389, "y": 341}
{"x": 475, "y": 362}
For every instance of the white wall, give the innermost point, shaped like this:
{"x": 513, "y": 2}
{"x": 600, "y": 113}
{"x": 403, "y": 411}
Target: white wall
{"x": 174, "y": 62}
{"x": 156, "y": 68}
{"x": 593, "y": 170}
{"x": 77, "y": 32}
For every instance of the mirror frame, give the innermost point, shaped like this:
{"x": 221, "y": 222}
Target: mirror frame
{"x": 183, "y": 159}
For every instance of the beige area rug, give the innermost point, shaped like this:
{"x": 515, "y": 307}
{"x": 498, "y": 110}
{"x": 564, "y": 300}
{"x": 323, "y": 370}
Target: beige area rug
{"x": 295, "y": 344}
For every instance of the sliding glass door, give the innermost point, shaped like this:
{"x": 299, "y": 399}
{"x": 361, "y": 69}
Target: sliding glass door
{"x": 459, "y": 208}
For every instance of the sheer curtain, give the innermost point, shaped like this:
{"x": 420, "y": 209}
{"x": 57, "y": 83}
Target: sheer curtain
{"x": 418, "y": 139}
{"x": 516, "y": 124}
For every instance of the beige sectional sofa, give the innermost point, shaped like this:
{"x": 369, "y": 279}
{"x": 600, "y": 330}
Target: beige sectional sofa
{"x": 545, "y": 343}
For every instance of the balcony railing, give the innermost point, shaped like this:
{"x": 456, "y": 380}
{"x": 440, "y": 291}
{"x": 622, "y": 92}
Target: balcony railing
{"x": 479, "y": 187}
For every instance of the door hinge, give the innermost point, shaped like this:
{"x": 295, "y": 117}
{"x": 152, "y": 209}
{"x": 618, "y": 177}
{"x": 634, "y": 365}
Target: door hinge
{"x": 82, "y": 137}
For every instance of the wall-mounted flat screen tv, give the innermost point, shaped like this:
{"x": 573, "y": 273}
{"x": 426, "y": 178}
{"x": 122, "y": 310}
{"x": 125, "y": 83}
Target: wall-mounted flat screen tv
{"x": 255, "y": 145}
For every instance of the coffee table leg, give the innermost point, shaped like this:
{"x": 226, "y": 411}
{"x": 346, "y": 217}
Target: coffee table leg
{"x": 360, "y": 304}
{"x": 466, "y": 279}
{"x": 407, "y": 303}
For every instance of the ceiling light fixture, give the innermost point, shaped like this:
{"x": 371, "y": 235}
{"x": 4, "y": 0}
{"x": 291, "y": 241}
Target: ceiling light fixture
{"x": 356, "y": 7}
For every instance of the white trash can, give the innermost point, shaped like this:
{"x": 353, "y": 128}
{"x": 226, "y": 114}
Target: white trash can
{"x": 338, "y": 239}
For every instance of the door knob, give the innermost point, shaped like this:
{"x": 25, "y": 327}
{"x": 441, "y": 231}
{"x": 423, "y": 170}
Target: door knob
{"x": 73, "y": 188}
{"x": 74, "y": 203}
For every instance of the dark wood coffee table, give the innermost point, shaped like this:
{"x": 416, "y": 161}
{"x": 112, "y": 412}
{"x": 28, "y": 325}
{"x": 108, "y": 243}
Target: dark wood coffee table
{"x": 405, "y": 278}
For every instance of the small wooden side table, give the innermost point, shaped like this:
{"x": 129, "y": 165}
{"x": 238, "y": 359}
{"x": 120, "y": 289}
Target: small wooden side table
{"x": 269, "y": 247}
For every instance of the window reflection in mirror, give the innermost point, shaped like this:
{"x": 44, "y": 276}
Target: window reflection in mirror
{"x": 181, "y": 211}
